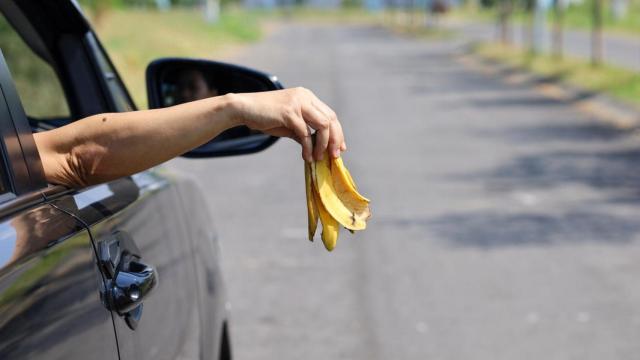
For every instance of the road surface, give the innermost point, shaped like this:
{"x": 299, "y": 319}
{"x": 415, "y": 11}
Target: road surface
{"x": 505, "y": 225}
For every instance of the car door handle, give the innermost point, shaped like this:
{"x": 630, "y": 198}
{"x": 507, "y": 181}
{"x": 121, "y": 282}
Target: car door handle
{"x": 129, "y": 280}
{"x": 131, "y": 284}
{"x": 130, "y": 287}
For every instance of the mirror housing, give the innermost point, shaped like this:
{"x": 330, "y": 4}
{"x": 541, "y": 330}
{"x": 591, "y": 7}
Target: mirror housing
{"x": 172, "y": 81}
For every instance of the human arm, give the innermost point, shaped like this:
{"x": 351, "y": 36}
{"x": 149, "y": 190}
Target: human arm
{"x": 104, "y": 147}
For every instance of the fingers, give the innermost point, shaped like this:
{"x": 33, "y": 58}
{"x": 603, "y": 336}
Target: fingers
{"x": 282, "y": 132}
{"x": 299, "y": 112}
{"x": 335, "y": 137}
{"x": 322, "y": 142}
{"x": 319, "y": 122}
{"x": 323, "y": 119}
{"x": 336, "y": 140}
{"x": 302, "y": 132}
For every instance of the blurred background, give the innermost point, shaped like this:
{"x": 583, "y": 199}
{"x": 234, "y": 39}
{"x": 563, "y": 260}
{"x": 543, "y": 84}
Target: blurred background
{"x": 497, "y": 140}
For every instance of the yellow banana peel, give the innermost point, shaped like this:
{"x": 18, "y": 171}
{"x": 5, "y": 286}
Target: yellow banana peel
{"x": 312, "y": 208}
{"x": 330, "y": 227}
{"x": 333, "y": 197}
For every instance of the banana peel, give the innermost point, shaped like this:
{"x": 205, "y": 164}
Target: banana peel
{"x": 312, "y": 208}
{"x": 330, "y": 227}
{"x": 333, "y": 198}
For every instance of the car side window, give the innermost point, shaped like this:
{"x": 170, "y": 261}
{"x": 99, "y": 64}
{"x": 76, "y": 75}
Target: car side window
{"x": 4, "y": 188}
{"x": 121, "y": 100}
{"x": 38, "y": 85}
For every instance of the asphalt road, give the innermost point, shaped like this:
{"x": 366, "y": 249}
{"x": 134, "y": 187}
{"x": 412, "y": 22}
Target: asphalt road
{"x": 619, "y": 50}
{"x": 505, "y": 225}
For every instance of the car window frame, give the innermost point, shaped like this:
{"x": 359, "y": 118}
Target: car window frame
{"x": 109, "y": 77}
{"x": 74, "y": 54}
{"x": 31, "y": 35}
{"x": 68, "y": 43}
{"x": 21, "y": 162}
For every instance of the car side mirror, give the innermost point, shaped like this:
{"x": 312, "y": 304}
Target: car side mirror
{"x": 172, "y": 81}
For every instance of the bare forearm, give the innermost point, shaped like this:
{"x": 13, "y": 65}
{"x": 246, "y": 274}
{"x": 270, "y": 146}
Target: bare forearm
{"x": 108, "y": 146}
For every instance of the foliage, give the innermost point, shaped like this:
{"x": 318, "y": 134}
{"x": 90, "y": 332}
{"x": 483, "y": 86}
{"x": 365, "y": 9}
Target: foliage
{"x": 134, "y": 37}
{"x": 580, "y": 16}
{"x": 352, "y": 3}
{"x": 37, "y": 84}
{"x": 620, "y": 83}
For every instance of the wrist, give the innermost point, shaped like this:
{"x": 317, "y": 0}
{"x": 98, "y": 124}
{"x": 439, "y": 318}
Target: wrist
{"x": 231, "y": 107}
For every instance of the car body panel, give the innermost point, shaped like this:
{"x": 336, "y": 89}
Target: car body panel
{"x": 50, "y": 305}
{"x": 59, "y": 309}
{"x": 206, "y": 261}
{"x": 148, "y": 207}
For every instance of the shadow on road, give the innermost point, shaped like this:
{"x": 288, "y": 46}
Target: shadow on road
{"x": 491, "y": 230}
{"x": 591, "y": 155}
{"x": 576, "y": 132}
{"x": 521, "y": 101}
{"x": 601, "y": 170}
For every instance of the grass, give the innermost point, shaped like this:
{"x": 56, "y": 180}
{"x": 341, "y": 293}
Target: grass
{"x": 620, "y": 83}
{"x": 134, "y": 38}
{"x": 353, "y": 15}
{"x": 576, "y": 16}
{"x": 579, "y": 16}
{"x": 475, "y": 13}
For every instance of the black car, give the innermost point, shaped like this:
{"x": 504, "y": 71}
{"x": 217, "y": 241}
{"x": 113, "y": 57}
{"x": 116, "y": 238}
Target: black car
{"x": 123, "y": 270}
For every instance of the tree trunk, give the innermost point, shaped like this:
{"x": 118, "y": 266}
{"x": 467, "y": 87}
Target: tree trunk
{"x": 410, "y": 10}
{"x": 528, "y": 26}
{"x": 163, "y": 5}
{"x": 504, "y": 18}
{"x": 596, "y": 33}
{"x": 558, "y": 25}
{"x": 539, "y": 25}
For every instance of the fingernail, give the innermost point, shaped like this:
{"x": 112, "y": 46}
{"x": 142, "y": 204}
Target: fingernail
{"x": 336, "y": 153}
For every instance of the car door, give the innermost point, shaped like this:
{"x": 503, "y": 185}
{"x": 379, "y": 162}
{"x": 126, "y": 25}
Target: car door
{"x": 50, "y": 306}
{"x": 136, "y": 216}
{"x": 50, "y": 287}
{"x": 134, "y": 222}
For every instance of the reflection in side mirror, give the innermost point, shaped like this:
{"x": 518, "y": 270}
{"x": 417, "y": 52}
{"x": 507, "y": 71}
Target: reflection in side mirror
{"x": 173, "y": 81}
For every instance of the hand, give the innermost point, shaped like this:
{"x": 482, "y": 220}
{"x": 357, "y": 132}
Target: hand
{"x": 292, "y": 113}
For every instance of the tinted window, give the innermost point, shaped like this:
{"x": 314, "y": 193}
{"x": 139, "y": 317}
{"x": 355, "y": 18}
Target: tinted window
{"x": 116, "y": 89}
{"x": 38, "y": 86}
{"x": 3, "y": 182}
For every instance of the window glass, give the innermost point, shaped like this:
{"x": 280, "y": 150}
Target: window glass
{"x": 38, "y": 86}
{"x": 3, "y": 182}
{"x": 120, "y": 98}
